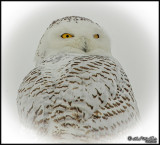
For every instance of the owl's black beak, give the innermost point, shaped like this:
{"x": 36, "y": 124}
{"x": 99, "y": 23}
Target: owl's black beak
{"x": 85, "y": 47}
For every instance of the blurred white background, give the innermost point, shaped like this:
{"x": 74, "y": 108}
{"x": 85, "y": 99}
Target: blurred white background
{"x": 133, "y": 30}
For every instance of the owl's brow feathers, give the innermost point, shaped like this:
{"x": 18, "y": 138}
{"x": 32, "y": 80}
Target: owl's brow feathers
{"x": 71, "y": 18}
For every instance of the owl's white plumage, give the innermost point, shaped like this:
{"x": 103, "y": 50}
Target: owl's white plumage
{"x": 83, "y": 30}
{"x": 76, "y": 92}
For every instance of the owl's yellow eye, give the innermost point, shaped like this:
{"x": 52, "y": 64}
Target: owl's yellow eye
{"x": 96, "y": 36}
{"x": 66, "y": 35}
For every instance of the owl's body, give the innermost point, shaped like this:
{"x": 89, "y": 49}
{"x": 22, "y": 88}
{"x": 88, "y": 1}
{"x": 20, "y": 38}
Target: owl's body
{"x": 77, "y": 94}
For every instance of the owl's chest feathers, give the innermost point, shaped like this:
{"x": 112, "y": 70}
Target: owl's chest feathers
{"x": 75, "y": 92}
{"x": 84, "y": 82}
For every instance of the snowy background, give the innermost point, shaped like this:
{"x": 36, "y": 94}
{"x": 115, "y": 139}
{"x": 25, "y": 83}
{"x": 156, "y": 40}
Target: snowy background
{"x": 133, "y": 30}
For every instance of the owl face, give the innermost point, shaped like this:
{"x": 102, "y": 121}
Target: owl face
{"x": 73, "y": 35}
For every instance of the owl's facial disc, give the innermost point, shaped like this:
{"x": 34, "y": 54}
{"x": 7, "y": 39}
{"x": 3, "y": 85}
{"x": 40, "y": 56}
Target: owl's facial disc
{"x": 79, "y": 42}
{"x": 73, "y": 35}
{"x": 83, "y": 40}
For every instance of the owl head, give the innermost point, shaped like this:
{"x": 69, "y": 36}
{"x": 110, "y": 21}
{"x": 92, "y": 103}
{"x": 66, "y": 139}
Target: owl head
{"x": 73, "y": 34}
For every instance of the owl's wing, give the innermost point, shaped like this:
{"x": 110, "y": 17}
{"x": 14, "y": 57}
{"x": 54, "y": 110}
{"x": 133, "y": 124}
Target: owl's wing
{"x": 30, "y": 100}
{"x": 117, "y": 108}
{"x": 78, "y": 95}
{"x": 36, "y": 91}
{"x": 100, "y": 91}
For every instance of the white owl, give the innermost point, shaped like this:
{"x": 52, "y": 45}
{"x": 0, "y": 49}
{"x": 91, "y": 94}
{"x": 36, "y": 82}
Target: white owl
{"x": 77, "y": 88}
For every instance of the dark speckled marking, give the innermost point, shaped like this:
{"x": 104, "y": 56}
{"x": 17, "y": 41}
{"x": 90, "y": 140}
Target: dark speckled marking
{"x": 75, "y": 19}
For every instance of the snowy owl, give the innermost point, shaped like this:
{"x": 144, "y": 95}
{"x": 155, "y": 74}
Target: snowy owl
{"x": 77, "y": 87}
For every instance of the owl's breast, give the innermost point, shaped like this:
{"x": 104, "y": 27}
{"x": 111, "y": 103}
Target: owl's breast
{"x": 86, "y": 83}
{"x": 78, "y": 95}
